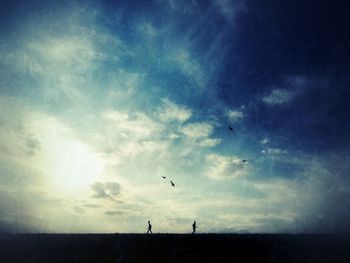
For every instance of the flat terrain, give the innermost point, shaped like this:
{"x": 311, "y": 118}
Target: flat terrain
{"x": 173, "y": 248}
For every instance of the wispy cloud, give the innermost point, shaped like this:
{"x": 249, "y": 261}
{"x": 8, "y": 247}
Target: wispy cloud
{"x": 226, "y": 167}
{"x": 171, "y": 111}
{"x": 274, "y": 151}
{"x": 190, "y": 67}
{"x": 60, "y": 59}
{"x": 147, "y": 29}
{"x": 279, "y": 97}
{"x": 225, "y": 8}
{"x": 136, "y": 126}
{"x": 235, "y": 115}
{"x": 187, "y": 7}
{"x": 209, "y": 142}
{"x": 228, "y": 8}
{"x": 293, "y": 87}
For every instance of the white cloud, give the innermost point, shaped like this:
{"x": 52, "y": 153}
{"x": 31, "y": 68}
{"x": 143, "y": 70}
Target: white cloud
{"x": 226, "y": 167}
{"x": 123, "y": 135}
{"x": 114, "y": 115}
{"x": 274, "y": 151}
{"x": 197, "y": 130}
{"x": 174, "y": 136}
{"x": 279, "y": 97}
{"x": 137, "y": 126}
{"x": 126, "y": 136}
{"x": 171, "y": 111}
{"x": 234, "y": 116}
{"x": 265, "y": 141}
{"x": 209, "y": 142}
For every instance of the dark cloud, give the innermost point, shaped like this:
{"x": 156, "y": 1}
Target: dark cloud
{"x": 115, "y": 212}
{"x": 325, "y": 195}
{"x": 15, "y": 216}
{"x": 335, "y": 216}
{"x": 79, "y": 209}
{"x": 108, "y": 190}
{"x": 19, "y": 206}
{"x": 33, "y": 145}
{"x": 92, "y": 206}
{"x": 332, "y": 218}
{"x": 16, "y": 226}
{"x": 334, "y": 195}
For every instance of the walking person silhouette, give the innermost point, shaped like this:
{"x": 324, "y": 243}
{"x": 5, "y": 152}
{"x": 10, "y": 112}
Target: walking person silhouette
{"x": 149, "y": 230}
{"x": 194, "y": 226}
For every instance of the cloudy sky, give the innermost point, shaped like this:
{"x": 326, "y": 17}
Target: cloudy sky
{"x": 100, "y": 99}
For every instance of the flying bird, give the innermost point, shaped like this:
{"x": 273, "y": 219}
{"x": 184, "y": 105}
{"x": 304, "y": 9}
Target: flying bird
{"x": 163, "y": 177}
{"x": 230, "y": 128}
{"x": 172, "y": 184}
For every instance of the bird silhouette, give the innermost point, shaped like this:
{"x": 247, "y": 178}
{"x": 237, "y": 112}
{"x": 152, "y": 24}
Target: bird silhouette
{"x": 230, "y": 128}
{"x": 163, "y": 177}
{"x": 172, "y": 184}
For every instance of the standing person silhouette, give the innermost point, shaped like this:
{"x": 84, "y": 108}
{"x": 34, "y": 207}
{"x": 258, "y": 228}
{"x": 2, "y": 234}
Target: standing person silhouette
{"x": 194, "y": 226}
{"x": 149, "y": 230}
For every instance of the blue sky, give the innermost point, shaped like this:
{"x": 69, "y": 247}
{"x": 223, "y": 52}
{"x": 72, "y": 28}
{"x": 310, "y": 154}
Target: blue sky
{"x": 100, "y": 99}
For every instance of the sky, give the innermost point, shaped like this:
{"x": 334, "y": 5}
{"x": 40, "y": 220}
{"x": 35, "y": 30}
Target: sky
{"x": 100, "y": 99}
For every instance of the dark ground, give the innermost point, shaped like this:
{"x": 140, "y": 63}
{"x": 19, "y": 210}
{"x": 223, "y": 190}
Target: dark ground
{"x": 173, "y": 248}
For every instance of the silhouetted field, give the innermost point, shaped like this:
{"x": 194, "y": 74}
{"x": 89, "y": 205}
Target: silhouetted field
{"x": 173, "y": 248}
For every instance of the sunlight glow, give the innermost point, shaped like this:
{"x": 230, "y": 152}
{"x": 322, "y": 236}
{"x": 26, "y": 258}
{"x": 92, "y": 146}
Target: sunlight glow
{"x": 71, "y": 166}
